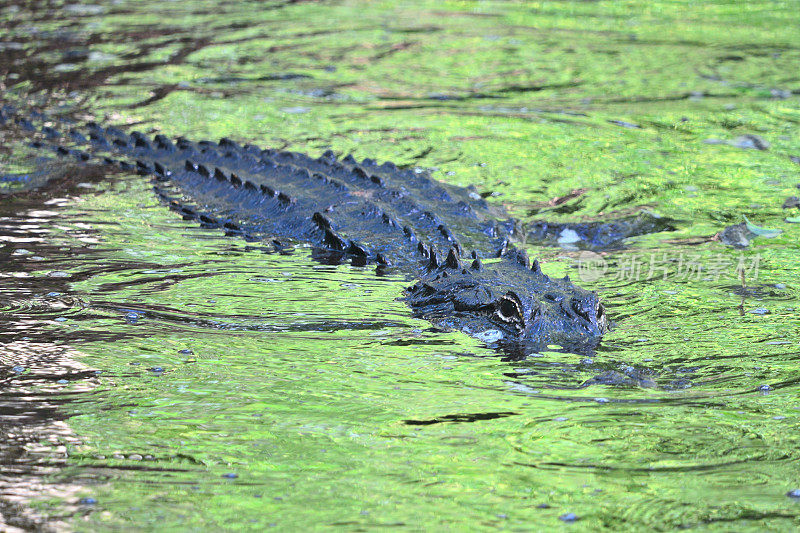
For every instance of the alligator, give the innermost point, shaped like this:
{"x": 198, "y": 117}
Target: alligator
{"x": 456, "y": 247}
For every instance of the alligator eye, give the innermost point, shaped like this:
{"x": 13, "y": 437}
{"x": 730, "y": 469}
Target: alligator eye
{"x": 508, "y": 310}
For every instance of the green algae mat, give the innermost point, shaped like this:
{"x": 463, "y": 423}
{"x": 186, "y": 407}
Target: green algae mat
{"x": 158, "y": 376}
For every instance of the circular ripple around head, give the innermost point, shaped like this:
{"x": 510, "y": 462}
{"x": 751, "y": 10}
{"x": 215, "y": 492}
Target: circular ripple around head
{"x": 678, "y": 510}
{"x": 647, "y": 441}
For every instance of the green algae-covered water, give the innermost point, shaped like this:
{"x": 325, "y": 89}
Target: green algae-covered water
{"x": 161, "y": 376}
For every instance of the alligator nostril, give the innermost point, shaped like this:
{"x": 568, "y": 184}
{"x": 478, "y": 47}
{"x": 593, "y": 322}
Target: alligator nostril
{"x": 580, "y": 309}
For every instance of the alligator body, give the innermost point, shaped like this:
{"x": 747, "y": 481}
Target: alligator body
{"x": 448, "y": 240}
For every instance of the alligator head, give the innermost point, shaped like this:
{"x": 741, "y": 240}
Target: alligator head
{"x": 510, "y": 302}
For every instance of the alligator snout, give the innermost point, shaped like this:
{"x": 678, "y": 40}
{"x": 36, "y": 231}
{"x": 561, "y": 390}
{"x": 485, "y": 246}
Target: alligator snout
{"x": 588, "y": 310}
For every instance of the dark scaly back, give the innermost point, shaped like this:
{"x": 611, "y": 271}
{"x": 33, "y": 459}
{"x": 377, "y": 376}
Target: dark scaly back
{"x": 369, "y": 210}
{"x": 364, "y": 202}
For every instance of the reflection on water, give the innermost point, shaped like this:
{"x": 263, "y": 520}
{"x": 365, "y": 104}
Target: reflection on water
{"x": 39, "y": 378}
{"x": 160, "y": 375}
{"x": 38, "y": 375}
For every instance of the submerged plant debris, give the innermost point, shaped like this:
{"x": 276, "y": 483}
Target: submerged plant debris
{"x": 160, "y": 375}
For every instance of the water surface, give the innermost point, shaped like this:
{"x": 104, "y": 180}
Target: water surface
{"x": 158, "y": 375}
